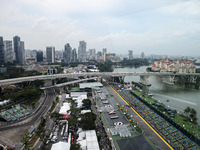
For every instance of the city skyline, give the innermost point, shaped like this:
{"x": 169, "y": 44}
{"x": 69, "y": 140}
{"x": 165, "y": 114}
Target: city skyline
{"x": 153, "y": 27}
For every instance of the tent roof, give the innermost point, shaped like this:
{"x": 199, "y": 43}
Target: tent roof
{"x": 64, "y": 108}
{"x": 60, "y": 145}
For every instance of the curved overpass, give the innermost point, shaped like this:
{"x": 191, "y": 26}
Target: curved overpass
{"x": 89, "y": 74}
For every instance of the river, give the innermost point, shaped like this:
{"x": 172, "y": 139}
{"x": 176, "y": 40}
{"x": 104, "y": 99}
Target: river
{"x": 179, "y": 96}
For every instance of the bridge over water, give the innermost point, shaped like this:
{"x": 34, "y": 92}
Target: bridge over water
{"x": 144, "y": 76}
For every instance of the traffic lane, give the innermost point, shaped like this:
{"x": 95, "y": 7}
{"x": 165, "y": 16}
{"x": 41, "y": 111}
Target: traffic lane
{"x": 150, "y": 134}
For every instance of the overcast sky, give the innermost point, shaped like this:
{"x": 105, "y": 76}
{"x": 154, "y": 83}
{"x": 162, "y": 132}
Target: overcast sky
{"x": 170, "y": 27}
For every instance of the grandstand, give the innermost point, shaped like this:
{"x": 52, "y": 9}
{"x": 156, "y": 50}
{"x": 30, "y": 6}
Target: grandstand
{"x": 15, "y": 113}
{"x": 168, "y": 131}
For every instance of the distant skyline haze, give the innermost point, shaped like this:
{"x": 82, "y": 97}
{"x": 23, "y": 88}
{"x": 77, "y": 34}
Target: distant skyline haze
{"x": 165, "y": 27}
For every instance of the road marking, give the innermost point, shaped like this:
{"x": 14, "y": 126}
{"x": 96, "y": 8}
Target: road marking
{"x": 144, "y": 121}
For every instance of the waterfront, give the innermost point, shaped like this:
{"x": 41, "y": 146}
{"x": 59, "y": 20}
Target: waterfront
{"x": 179, "y": 96}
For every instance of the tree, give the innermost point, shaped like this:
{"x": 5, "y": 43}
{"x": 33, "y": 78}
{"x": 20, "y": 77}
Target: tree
{"x": 193, "y": 114}
{"x": 75, "y": 112}
{"x": 75, "y": 146}
{"x": 72, "y": 121}
{"x": 87, "y": 121}
{"x": 44, "y": 136}
{"x": 33, "y": 104}
{"x": 193, "y": 111}
{"x": 25, "y": 141}
{"x": 40, "y": 128}
{"x": 55, "y": 115}
{"x": 87, "y": 103}
{"x": 187, "y": 110}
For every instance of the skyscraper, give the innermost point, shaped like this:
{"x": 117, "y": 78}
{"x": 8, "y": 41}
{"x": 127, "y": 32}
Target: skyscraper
{"x": 99, "y": 54}
{"x": 39, "y": 56}
{"x": 142, "y": 55}
{"x": 92, "y": 52}
{"x": 21, "y": 56}
{"x": 68, "y": 53}
{"x": 74, "y": 55}
{"x": 19, "y": 50}
{"x": 104, "y": 50}
{"x": 8, "y": 51}
{"x": 130, "y": 54}
{"x": 104, "y": 54}
{"x": 1, "y": 50}
{"x": 16, "y": 40}
{"x": 82, "y": 51}
{"x": 50, "y": 54}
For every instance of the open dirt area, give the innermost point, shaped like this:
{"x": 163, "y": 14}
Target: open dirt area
{"x": 13, "y": 136}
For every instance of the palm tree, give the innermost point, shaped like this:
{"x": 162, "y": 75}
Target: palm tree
{"x": 44, "y": 136}
{"x": 193, "y": 111}
{"x": 193, "y": 118}
{"x": 25, "y": 141}
{"x": 187, "y": 110}
{"x": 193, "y": 114}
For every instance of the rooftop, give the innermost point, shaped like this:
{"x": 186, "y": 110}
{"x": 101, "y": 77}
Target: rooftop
{"x": 90, "y": 85}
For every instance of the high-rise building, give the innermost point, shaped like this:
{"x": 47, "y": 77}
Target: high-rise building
{"x": 21, "y": 57}
{"x": 19, "y": 50}
{"x": 74, "y": 55}
{"x": 142, "y": 55}
{"x": 92, "y": 52}
{"x": 8, "y": 51}
{"x": 16, "y": 41}
{"x": 50, "y": 54}
{"x": 39, "y": 56}
{"x": 67, "y": 53}
{"x": 59, "y": 55}
{"x": 130, "y": 54}
{"x": 104, "y": 54}
{"x": 104, "y": 50}
{"x": 82, "y": 51}
{"x": 99, "y": 54}
{"x": 1, "y": 50}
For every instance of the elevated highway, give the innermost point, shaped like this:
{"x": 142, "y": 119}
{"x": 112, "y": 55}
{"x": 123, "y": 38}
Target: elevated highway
{"x": 68, "y": 83}
{"x": 93, "y": 74}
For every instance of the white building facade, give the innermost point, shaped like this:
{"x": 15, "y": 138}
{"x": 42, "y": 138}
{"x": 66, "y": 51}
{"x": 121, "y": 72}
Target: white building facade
{"x": 82, "y": 51}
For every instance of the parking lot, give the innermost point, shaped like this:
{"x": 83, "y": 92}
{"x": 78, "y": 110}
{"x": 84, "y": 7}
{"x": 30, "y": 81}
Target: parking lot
{"x": 110, "y": 102}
